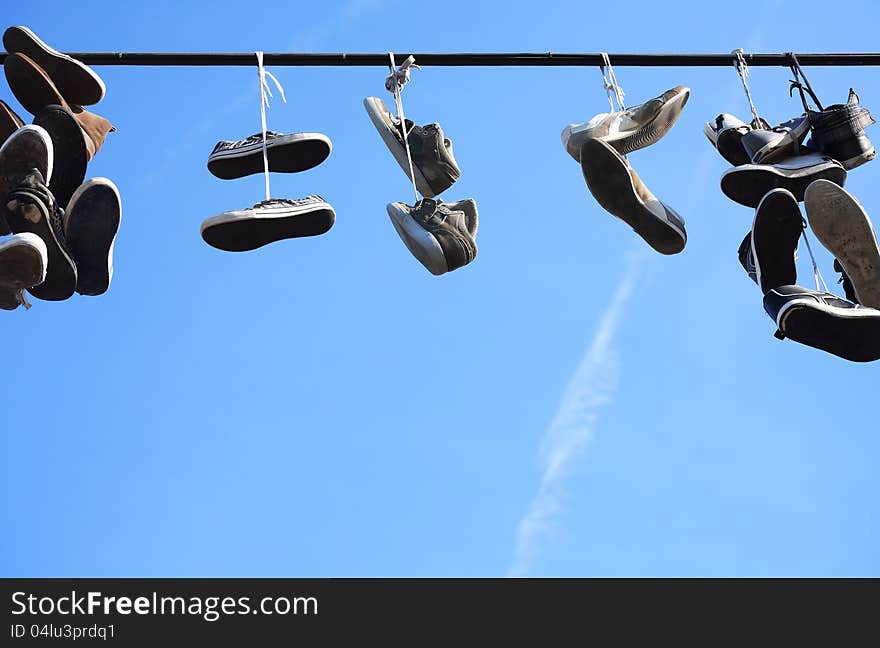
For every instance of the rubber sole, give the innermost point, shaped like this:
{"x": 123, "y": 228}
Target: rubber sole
{"x": 749, "y": 183}
{"x": 609, "y": 180}
{"x": 776, "y": 231}
{"x": 661, "y": 124}
{"x": 244, "y": 231}
{"x": 376, "y": 110}
{"x": 852, "y": 338}
{"x": 91, "y": 225}
{"x": 70, "y": 153}
{"x": 421, "y": 244}
{"x": 843, "y": 227}
{"x": 297, "y": 152}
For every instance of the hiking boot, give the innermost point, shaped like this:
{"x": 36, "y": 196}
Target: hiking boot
{"x": 91, "y": 222}
{"x": 23, "y": 261}
{"x": 285, "y": 153}
{"x": 434, "y": 165}
{"x": 30, "y": 147}
{"x": 749, "y": 183}
{"x": 726, "y": 133}
{"x": 442, "y": 236}
{"x": 631, "y": 129}
{"x": 78, "y": 83}
{"x": 30, "y": 207}
{"x": 839, "y": 132}
{"x": 776, "y": 232}
{"x": 70, "y": 152}
{"x": 845, "y": 282}
{"x": 747, "y": 259}
{"x": 35, "y": 90}
{"x": 267, "y": 222}
{"x": 826, "y": 322}
{"x": 619, "y": 190}
{"x": 9, "y": 121}
{"x": 843, "y": 227}
{"x": 768, "y": 146}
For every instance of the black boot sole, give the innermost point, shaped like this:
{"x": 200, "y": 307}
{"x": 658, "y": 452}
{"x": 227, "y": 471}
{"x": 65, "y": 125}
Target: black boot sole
{"x": 92, "y": 225}
{"x": 71, "y": 156}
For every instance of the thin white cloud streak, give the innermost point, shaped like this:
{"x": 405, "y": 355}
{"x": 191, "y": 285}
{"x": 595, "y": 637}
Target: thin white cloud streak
{"x": 592, "y": 387}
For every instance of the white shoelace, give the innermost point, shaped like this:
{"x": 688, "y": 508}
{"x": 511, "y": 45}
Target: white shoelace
{"x": 394, "y": 83}
{"x": 817, "y": 276}
{"x": 265, "y": 93}
{"x": 742, "y": 70}
{"x": 612, "y": 87}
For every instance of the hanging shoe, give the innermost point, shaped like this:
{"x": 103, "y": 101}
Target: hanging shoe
{"x": 726, "y": 133}
{"x": 91, "y": 222}
{"x": 9, "y": 121}
{"x": 846, "y": 283}
{"x": 826, "y": 322}
{"x": 267, "y": 222}
{"x": 784, "y": 141}
{"x": 23, "y": 261}
{"x": 747, "y": 259}
{"x": 839, "y": 132}
{"x": 619, "y": 190}
{"x": 843, "y": 227}
{"x": 631, "y": 129}
{"x": 70, "y": 152}
{"x": 433, "y": 162}
{"x": 30, "y": 147}
{"x": 749, "y": 183}
{"x": 286, "y": 154}
{"x": 775, "y": 234}
{"x": 442, "y": 236}
{"x": 30, "y": 207}
{"x": 78, "y": 83}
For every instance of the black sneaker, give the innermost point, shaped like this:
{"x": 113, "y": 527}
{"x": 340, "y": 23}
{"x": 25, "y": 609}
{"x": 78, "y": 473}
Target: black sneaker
{"x": 846, "y": 283}
{"x": 285, "y": 153}
{"x": 746, "y": 260}
{"x": 29, "y": 147}
{"x": 726, "y": 133}
{"x": 824, "y": 321}
{"x": 776, "y": 232}
{"x": 838, "y": 131}
{"x": 267, "y": 222}
{"x": 69, "y": 145}
{"x": 749, "y": 183}
{"x": 442, "y": 236}
{"x": 30, "y": 207}
{"x": 91, "y": 223}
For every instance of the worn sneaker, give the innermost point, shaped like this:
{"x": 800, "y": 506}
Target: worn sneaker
{"x": 434, "y": 165}
{"x": 442, "y": 236}
{"x": 768, "y": 146}
{"x": 91, "y": 222}
{"x": 30, "y": 147}
{"x": 843, "y": 227}
{"x": 824, "y": 321}
{"x": 70, "y": 151}
{"x": 78, "y": 83}
{"x": 839, "y": 132}
{"x": 749, "y": 183}
{"x": 776, "y": 232}
{"x": 285, "y": 153}
{"x": 23, "y": 261}
{"x": 267, "y": 222}
{"x": 30, "y": 207}
{"x": 619, "y": 190}
{"x": 726, "y": 133}
{"x": 631, "y": 129}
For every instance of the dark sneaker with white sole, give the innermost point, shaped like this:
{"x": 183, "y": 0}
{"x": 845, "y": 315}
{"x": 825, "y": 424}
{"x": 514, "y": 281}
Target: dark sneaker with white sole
{"x": 441, "y": 235}
{"x": 433, "y": 161}
{"x": 747, "y": 259}
{"x": 824, "y": 321}
{"x": 768, "y": 146}
{"x": 749, "y": 183}
{"x": 285, "y": 153}
{"x": 618, "y": 189}
{"x": 23, "y": 261}
{"x": 725, "y": 133}
{"x": 30, "y": 207}
{"x": 838, "y": 131}
{"x": 267, "y": 222}
{"x": 91, "y": 222}
{"x": 631, "y": 129}
{"x": 776, "y": 232}
{"x": 843, "y": 227}
{"x": 77, "y": 82}
{"x": 845, "y": 283}
{"x": 71, "y": 154}
{"x": 29, "y": 147}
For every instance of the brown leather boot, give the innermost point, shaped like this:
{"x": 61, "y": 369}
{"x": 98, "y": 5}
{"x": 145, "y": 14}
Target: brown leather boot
{"x": 9, "y": 122}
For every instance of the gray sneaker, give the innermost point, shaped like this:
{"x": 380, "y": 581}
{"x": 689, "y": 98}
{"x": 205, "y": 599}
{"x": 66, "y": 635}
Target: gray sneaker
{"x": 442, "y": 236}
{"x": 23, "y": 261}
{"x": 768, "y": 146}
{"x": 434, "y": 165}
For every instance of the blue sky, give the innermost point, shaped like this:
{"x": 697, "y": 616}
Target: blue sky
{"x": 568, "y": 405}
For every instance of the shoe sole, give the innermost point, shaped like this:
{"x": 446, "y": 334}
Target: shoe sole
{"x": 609, "y": 181}
{"x": 25, "y": 212}
{"x": 91, "y": 225}
{"x": 76, "y": 81}
{"x": 749, "y": 183}
{"x": 23, "y": 266}
{"x": 843, "y": 227}
{"x": 243, "y": 231}
{"x": 661, "y": 124}
{"x": 778, "y": 224}
{"x": 417, "y": 239}
{"x": 288, "y": 154}
{"x": 377, "y": 114}
{"x": 854, "y": 337}
{"x": 70, "y": 153}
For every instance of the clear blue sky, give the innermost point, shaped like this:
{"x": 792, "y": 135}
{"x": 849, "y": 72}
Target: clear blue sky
{"x": 326, "y": 407}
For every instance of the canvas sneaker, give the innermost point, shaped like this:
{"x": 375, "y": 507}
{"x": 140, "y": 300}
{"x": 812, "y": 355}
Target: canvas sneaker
{"x": 267, "y": 222}
{"x": 433, "y": 161}
{"x": 749, "y": 183}
{"x": 285, "y": 153}
{"x": 767, "y": 146}
{"x": 91, "y": 222}
{"x": 776, "y": 231}
{"x": 838, "y": 131}
{"x": 29, "y": 147}
{"x": 23, "y": 261}
{"x": 441, "y": 235}
{"x": 725, "y": 133}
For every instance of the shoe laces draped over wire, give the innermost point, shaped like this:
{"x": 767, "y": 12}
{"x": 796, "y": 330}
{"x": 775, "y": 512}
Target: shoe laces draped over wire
{"x": 612, "y": 87}
{"x": 394, "y": 83}
{"x": 265, "y": 93}
{"x": 742, "y": 70}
